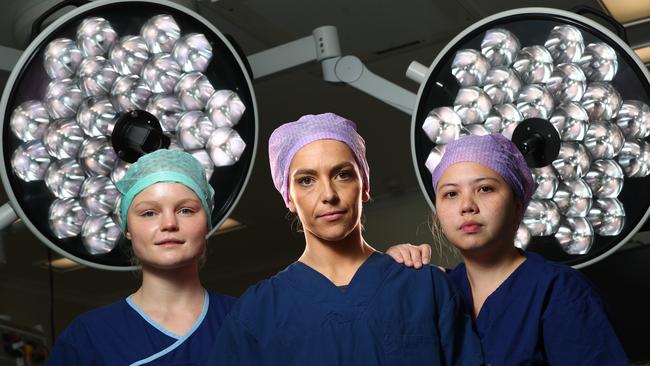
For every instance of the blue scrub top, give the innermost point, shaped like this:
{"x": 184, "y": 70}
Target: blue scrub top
{"x": 122, "y": 334}
{"x": 543, "y": 313}
{"x": 388, "y": 315}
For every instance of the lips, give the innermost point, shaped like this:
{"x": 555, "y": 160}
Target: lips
{"x": 332, "y": 215}
{"x": 170, "y": 241}
{"x": 470, "y": 227}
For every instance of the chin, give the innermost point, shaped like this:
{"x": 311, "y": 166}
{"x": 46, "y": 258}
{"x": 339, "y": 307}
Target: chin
{"x": 332, "y": 235}
{"x": 171, "y": 262}
{"x": 470, "y": 245}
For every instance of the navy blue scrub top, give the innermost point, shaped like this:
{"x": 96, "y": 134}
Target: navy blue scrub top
{"x": 388, "y": 315}
{"x": 543, "y": 313}
{"x": 122, "y": 334}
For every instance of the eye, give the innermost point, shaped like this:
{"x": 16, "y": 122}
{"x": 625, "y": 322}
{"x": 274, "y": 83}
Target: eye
{"x": 148, "y": 213}
{"x": 344, "y": 175}
{"x": 486, "y": 189}
{"x": 186, "y": 211}
{"x": 305, "y": 181}
{"x": 450, "y": 194}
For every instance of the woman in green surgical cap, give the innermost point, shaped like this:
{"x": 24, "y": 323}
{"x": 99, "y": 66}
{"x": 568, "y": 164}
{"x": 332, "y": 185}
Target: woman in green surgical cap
{"x": 171, "y": 319}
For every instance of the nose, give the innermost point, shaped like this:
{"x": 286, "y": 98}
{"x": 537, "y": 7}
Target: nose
{"x": 468, "y": 205}
{"x": 169, "y": 221}
{"x": 329, "y": 194}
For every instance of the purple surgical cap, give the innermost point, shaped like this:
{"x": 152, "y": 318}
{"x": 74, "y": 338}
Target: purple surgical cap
{"x": 287, "y": 139}
{"x": 495, "y": 152}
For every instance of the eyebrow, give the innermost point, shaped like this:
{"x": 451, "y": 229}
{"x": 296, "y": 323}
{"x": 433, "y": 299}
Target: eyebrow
{"x": 336, "y": 167}
{"x": 477, "y": 180}
{"x": 157, "y": 203}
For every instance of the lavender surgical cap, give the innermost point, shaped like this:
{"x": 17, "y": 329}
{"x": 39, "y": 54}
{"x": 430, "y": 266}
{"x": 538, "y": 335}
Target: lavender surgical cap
{"x": 495, "y": 152}
{"x": 287, "y": 139}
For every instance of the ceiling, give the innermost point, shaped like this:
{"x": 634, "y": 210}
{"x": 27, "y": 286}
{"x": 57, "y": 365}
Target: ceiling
{"x": 386, "y": 36}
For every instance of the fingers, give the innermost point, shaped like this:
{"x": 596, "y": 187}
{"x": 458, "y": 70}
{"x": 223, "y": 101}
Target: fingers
{"x": 401, "y": 253}
{"x": 411, "y": 255}
{"x": 407, "y": 253}
{"x": 395, "y": 252}
{"x": 426, "y": 253}
{"x": 416, "y": 256}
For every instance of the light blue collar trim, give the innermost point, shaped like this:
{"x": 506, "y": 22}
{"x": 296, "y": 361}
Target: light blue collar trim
{"x": 153, "y": 323}
{"x": 179, "y": 340}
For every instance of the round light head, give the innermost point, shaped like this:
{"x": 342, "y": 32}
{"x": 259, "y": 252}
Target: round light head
{"x": 569, "y": 93}
{"x": 502, "y": 85}
{"x": 96, "y": 76}
{"x": 442, "y": 125}
{"x": 567, "y": 83}
{"x": 29, "y": 120}
{"x": 571, "y": 121}
{"x": 62, "y": 58}
{"x": 161, "y": 73}
{"x": 62, "y": 98}
{"x": 472, "y": 105}
{"x": 193, "y": 52}
{"x": 96, "y": 116}
{"x": 96, "y": 90}
{"x": 500, "y": 46}
{"x": 470, "y": 67}
{"x": 565, "y": 44}
{"x": 534, "y": 64}
{"x": 129, "y": 55}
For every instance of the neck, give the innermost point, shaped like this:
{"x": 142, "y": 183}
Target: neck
{"x": 337, "y": 260}
{"x": 169, "y": 288}
{"x": 491, "y": 267}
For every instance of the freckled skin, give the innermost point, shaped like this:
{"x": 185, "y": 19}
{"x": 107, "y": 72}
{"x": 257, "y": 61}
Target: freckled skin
{"x": 167, "y": 226}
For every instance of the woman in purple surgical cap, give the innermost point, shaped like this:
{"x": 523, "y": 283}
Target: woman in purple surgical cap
{"x": 341, "y": 302}
{"x": 527, "y": 311}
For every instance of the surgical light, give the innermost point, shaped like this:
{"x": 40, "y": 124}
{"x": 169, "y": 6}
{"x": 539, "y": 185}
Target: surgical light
{"x": 93, "y": 92}
{"x": 574, "y": 98}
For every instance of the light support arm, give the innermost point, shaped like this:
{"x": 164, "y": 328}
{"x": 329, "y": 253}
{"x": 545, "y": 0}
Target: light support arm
{"x": 7, "y": 215}
{"x": 8, "y": 58}
{"x": 323, "y": 46}
{"x": 417, "y": 72}
{"x": 350, "y": 70}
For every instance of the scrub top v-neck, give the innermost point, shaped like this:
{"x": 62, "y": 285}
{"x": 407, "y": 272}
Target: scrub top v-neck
{"x": 388, "y": 315}
{"x": 122, "y": 334}
{"x": 543, "y": 313}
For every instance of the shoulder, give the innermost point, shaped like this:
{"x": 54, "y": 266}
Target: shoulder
{"x": 110, "y": 313}
{"x": 427, "y": 277}
{"x": 260, "y": 294}
{"x": 562, "y": 282}
{"x": 258, "y": 308}
{"x": 458, "y": 274}
{"x": 221, "y": 301}
{"x": 91, "y": 324}
{"x": 218, "y": 308}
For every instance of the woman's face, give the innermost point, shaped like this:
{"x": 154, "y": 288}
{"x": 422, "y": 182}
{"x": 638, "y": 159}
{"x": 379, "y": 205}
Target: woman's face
{"x": 167, "y": 226}
{"x": 326, "y": 189}
{"x": 476, "y": 207}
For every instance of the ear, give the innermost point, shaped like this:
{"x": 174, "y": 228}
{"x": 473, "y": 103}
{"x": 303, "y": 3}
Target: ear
{"x": 292, "y": 207}
{"x": 128, "y": 235}
{"x": 365, "y": 196}
{"x": 519, "y": 212}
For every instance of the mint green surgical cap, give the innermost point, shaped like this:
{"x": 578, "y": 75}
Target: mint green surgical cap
{"x": 170, "y": 166}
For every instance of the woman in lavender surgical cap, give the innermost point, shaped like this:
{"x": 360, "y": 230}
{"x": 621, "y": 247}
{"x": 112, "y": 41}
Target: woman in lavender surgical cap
{"x": 341, "y": 302}
{"x": 527, "y": 311}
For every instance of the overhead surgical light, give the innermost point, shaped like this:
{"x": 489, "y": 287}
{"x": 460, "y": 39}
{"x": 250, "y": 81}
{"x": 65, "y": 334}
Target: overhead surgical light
{"x": 96, "y": 90}
{"x": 573, "y": 97}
